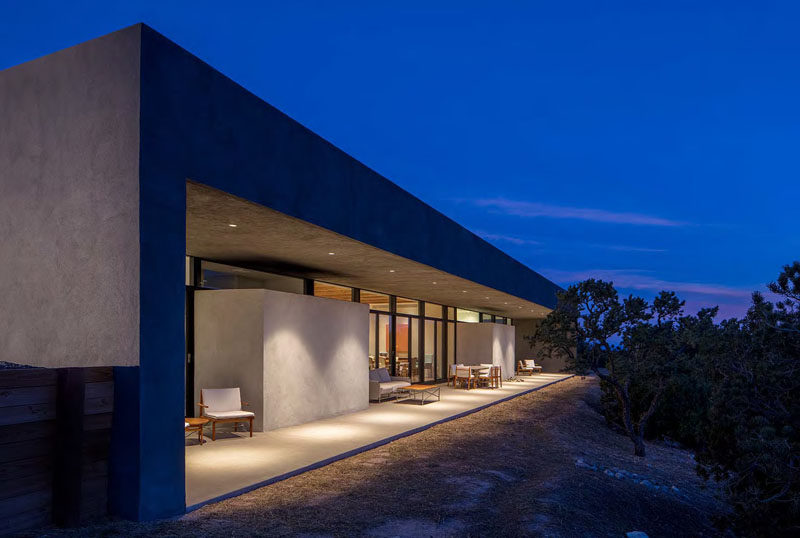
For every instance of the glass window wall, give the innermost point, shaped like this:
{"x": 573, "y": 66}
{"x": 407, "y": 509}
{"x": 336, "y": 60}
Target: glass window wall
{"x": 433, "y": 311}
{"x": 407, "y": 306}
{"x": 220, "y": 276}
{"x": 376, "y": 301}
{"x": 467, "y": 316}
{"x": 332, "y": 291}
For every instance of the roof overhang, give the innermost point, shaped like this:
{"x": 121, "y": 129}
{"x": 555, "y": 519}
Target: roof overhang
{"x": 268, "y": 240}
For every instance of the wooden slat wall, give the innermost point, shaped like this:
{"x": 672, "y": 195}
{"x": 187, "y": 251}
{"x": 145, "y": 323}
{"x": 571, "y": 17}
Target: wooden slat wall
{"x": 30, "y": 421}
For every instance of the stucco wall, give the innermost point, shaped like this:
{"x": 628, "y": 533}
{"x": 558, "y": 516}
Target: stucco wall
{"x": 527, "y": 327}
{"x": 296, "y": 358}
{"x": 69, "y": 206}
{"x": 486, "y": 343}
{"x": 229, "y": 345}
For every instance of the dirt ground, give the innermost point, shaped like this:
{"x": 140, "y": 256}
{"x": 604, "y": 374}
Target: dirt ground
{"x": 543, "y": 464}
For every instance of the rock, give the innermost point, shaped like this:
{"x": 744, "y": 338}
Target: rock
{"x": 636, "y": 534}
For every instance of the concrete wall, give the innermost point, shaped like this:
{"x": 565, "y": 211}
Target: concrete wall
{"x": 479, "y": 343}
{"x": 69, "y": 206}
{"x": 296, "y": 358}
{"x": 527, "y": 327}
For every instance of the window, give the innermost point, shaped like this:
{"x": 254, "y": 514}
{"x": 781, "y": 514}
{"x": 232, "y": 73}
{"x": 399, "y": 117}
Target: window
{"x": 332, "y": 291}
{"x": 433, "y": 311}
{"x": 376, "y": 301}
{"x": 407, "y": 306}
{"x": 220, "y": 276}
{"x": 467, "y": 316}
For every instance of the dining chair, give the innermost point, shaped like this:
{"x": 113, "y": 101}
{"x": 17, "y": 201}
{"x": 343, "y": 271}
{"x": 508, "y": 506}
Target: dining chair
{"x": 464, "y": 374}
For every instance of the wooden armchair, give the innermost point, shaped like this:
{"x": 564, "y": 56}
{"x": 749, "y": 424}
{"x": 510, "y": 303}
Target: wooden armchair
{"x": 224, "y": 405}
{"x": 528, "y": 367}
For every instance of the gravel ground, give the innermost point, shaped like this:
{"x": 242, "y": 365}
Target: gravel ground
{"x": 543, "y": 464}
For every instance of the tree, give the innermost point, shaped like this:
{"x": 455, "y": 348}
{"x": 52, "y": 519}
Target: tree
{"x": 750, "y": 440}
{"x": 628, "y": 344}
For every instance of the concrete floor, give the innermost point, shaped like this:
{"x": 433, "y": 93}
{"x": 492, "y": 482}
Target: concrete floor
{"x": 235, "y": 463}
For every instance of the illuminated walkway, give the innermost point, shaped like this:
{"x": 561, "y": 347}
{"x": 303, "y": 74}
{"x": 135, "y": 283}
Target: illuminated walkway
{"x": 235, "y": 463}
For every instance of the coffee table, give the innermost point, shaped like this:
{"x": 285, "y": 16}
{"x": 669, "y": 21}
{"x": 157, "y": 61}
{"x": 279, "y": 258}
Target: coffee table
{"x": 196, "y": 425}
{"x": 426, "y": 393}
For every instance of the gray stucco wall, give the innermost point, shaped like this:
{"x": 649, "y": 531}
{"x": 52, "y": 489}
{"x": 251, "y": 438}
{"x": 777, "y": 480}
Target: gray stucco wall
{"x": 527, "y": 327}
{"x": 479, "y": 343}
{"x": 69, "y": 206}
{"x": 296, "y": 358}
{"x": 229, "y": 345}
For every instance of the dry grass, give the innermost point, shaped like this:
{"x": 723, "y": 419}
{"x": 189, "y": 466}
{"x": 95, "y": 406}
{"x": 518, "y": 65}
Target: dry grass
{"x": 508, "y": 470}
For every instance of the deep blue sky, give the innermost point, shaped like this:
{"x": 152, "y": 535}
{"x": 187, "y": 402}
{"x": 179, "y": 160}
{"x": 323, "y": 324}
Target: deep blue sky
{"x": 654, "y": 145}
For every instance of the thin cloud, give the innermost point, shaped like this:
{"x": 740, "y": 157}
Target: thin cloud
{"x": 636, "y": 280}
{"x": 507, "y": 238}
{"x": 535, "y": 209}
{"x": 625, "y": 248}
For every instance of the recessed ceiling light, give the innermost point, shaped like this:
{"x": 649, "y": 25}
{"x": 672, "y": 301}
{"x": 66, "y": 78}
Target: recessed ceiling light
{"x": 391, "y": 270}
{"x": 331, "y": 253}
{"x": 485, "y": 297}
{"x": 433, "y": 282}
{"x": 232, "y": 225}
{"x": 505, "y": 303}
{"x": 463, "y": 291}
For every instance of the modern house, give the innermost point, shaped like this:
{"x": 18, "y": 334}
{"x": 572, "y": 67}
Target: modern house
{"x": 159, "y": 218}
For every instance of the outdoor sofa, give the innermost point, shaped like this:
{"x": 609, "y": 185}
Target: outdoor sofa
{"x": 382, "y": 385}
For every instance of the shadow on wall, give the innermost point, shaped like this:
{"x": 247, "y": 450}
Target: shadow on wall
{"x": 527, "y": 327}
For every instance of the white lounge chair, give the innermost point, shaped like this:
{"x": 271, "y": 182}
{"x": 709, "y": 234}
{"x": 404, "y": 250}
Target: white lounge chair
{"x": 224, "y": 405}
{"x": 528, "y": 367}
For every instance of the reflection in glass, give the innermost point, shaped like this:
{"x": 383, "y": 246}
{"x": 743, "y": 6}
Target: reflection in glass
{"x": 433, "y": 311}
{"x": 407, "y": 306}
{"x": 451, "y": 345}
{"x": 415, "y": 365}
{"x": 376, "y": 301}
{"x": 384, "y": 326}
{"x": 430, "y": 350}
{"x": 468, "y": 316}
{"x": 373, "y": 344}
{"x": 332, "y": 291}
{"x": 401, "y": 343}
{"x": 439, "y": 356}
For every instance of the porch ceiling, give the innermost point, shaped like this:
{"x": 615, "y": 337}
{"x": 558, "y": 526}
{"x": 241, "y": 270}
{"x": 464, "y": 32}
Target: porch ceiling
{"x": 268, "y": 240}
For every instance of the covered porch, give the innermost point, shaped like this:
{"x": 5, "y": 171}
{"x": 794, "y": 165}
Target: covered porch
{"x": 235, "y": 463}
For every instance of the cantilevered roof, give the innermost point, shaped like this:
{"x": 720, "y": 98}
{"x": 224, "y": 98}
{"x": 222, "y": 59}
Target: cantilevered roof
{"x": 199, "y": 124}
{"x": 266, "y": 239}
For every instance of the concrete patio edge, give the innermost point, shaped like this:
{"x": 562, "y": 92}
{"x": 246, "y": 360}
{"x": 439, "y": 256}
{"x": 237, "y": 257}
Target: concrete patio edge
{"x": 364, "y": 448}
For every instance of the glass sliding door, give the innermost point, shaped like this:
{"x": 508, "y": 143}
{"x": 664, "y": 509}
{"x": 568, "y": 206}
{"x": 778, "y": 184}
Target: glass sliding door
{"x": 373, "y": 342}
{"x": 430, "y": 356}
{"x": 440, "y": 371}
{"x": 451, "y": 345}
{"x": 402, "y": 342}
{"x": 415, "y": 358}
{"x": 384, "y": 341}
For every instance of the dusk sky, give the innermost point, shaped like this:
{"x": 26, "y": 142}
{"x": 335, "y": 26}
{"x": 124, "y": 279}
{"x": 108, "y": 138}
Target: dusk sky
{"x": 652, "y": 145}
